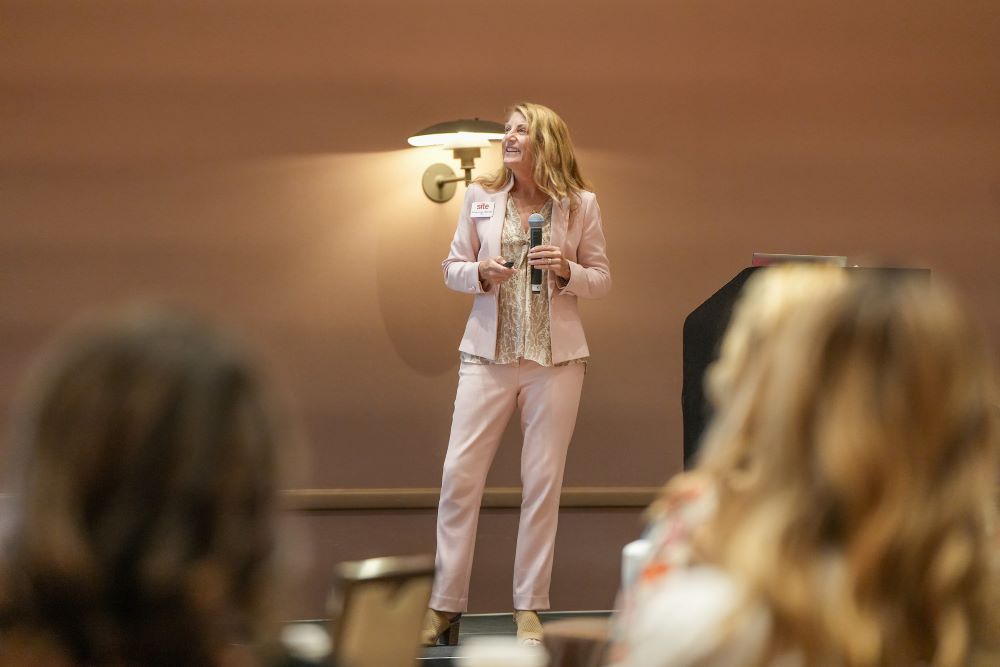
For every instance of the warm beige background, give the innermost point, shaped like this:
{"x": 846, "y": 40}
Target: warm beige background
{"x": 248, "y": 158}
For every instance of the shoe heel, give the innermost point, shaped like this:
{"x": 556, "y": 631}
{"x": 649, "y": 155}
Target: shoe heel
{"x": 450, "y": 636}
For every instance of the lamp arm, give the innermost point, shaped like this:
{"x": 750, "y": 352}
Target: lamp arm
{"x": 440, "y": 180}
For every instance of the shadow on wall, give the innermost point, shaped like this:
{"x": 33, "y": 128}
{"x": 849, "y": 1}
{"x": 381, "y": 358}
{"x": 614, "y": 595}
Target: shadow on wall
{"x": 348, "y": 246}
{"x": 423, "y": 319}
{"x": 367, "y": 253}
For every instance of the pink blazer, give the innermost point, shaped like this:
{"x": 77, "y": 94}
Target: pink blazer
{"x": 581, "y": 238}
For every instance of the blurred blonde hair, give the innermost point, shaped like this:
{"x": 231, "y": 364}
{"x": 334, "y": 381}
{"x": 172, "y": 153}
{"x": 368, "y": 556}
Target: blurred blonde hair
{"x": 867, "y": 525}
{"x": 556, "y": 171}
{"x": 771, "y": 297}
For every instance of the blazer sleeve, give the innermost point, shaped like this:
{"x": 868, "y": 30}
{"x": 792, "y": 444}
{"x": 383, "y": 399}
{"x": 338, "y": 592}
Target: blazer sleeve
{"x": 590, "y": 274}
{"x": 461, "y": 267}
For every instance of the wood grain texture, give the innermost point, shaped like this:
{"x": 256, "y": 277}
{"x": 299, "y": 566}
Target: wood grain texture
{"x": 324, "y": 500}
{"x": 247, "y": 159}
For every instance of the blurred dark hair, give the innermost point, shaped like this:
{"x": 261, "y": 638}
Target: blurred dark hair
{"x": 145, "y": 528}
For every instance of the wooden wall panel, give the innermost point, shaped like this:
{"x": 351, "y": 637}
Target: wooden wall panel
{"x": 247, "y": 158}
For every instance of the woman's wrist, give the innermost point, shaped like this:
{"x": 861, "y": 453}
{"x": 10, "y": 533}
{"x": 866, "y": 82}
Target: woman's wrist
{"x": 484, "y": 282}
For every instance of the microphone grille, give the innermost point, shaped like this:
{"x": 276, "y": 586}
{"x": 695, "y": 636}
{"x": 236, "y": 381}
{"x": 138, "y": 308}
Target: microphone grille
{"x": 535, "y": 220}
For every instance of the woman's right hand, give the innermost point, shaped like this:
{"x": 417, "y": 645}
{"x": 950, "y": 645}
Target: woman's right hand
{"x": 493, "y": 272}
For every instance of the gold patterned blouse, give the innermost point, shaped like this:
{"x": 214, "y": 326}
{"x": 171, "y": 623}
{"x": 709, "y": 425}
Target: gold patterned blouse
{"x": 523, "y": 316}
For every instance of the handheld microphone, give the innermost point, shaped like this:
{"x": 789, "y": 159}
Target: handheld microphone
{"x": 535, "y": 223}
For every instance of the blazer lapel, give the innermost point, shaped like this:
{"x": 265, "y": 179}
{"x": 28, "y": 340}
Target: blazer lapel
{"x": 496, "y": 221}
{"x": 499, "y": 199}
{"x": 560, "y": 221}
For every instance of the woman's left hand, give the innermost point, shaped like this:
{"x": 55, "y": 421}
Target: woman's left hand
{"x": 549, "y": 258}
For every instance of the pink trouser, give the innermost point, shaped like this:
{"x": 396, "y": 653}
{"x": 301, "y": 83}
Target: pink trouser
{"x": 548, "y": 398}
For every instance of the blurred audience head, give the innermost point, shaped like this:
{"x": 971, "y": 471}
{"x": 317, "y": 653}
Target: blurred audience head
{"x": 145, "y": 530}
{"x": 867, "y": 428}
{"x": 771, "y": 298}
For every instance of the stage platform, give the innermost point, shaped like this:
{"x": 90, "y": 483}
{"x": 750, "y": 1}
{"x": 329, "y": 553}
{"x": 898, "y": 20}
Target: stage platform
{"x": 473, "y": 625}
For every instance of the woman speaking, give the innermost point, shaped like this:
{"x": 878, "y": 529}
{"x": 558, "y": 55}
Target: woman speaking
{"x": 523, "y": 348}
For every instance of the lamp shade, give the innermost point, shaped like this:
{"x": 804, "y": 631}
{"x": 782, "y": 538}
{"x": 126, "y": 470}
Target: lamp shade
{"x": 468, "y": 133}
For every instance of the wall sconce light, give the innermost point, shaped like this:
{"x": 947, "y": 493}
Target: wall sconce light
{"x": 464, "y": 138}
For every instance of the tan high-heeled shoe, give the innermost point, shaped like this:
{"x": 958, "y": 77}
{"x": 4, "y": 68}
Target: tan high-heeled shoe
{"x": 440, "y": 628}
{"x": 529, "y": 627}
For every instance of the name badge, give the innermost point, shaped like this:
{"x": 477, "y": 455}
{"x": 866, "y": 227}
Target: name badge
{"x": 482, "y": 209}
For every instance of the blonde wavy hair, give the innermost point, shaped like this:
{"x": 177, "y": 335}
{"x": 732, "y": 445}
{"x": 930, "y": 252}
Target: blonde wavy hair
{"x": 771, "y": 297}
{"x": 866, "y": 524}
{"x": 556, "y": 172}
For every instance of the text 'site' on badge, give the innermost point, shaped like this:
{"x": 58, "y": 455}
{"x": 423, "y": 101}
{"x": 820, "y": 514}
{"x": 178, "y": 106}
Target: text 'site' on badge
{"x": 482, "y": 209}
